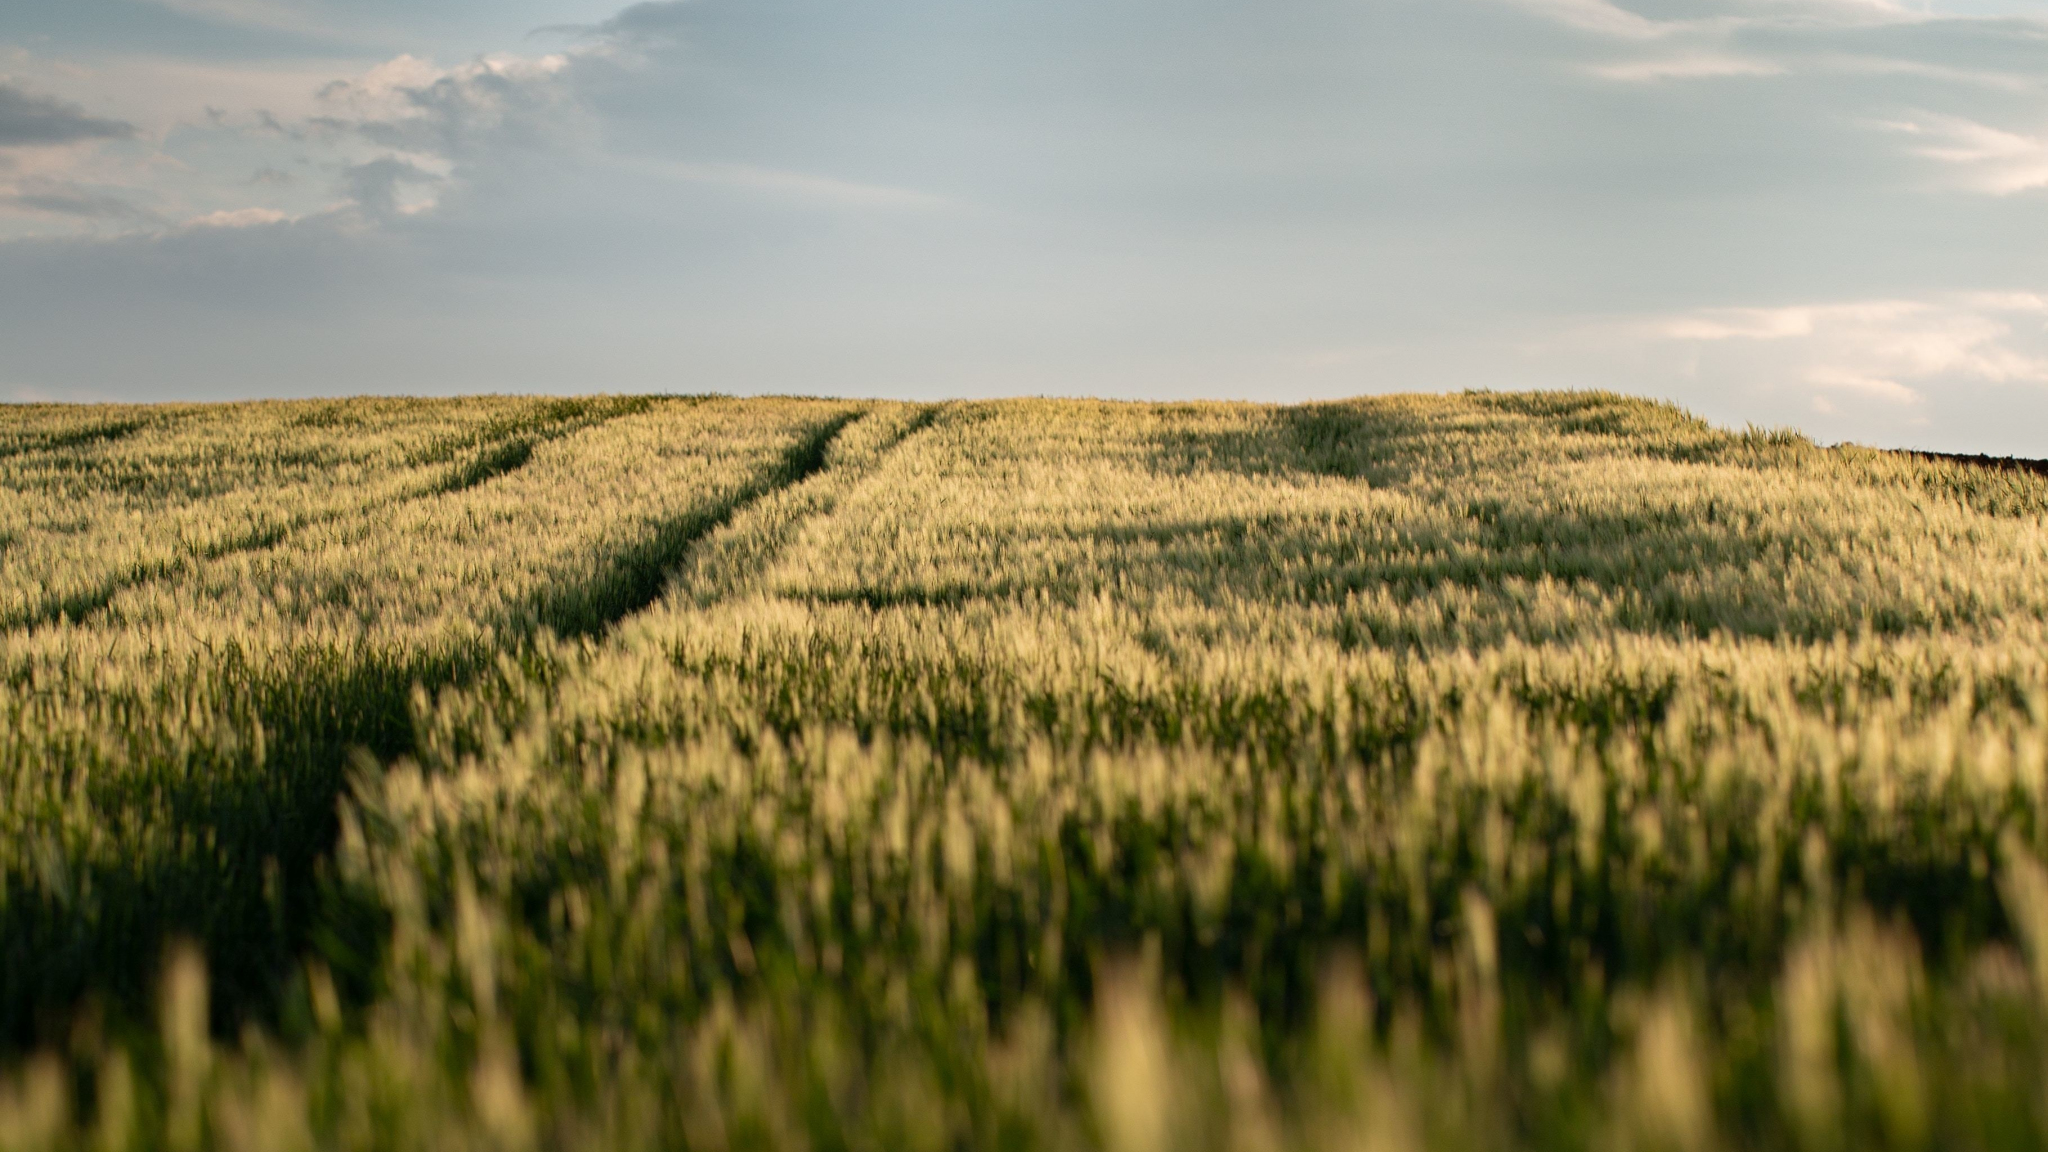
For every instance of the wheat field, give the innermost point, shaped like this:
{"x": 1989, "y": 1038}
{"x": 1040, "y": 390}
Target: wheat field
{"x": 1488, "y": 771}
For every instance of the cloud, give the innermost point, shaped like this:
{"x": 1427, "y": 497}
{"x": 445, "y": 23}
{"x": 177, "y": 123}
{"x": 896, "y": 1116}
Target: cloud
{"x": 1961, "y": 371}
{"x": 1606, "y": 18}
{"x": 390, "y": 186}
{"x": 1750, "y": 38}
{"x": 1835, "y": 13}
{"x": 429, "y": 127}
{"x": 1695, "y": 66}
{"x": 651, "y": 22}
{"x": 1872, "y": 387}
{"x": 438, "y": 124}
{"x": 1845, "y": 64}
{"x": 1881, "y": 349}
{"x": 27, "y": 119}
{"x": 654, "y": 17}
{"x": 1985, "y": 159}
{"x": 411, "y": 104}
{"x": 1712, "y": 324}
{"x": 238, "y": 218}
{"x": 1642, "y": 50}
{"x": 394, "y": 140}
{"x": 64, "y": 198}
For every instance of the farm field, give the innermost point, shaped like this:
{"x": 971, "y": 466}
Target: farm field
{"x": 1485, "y": 771}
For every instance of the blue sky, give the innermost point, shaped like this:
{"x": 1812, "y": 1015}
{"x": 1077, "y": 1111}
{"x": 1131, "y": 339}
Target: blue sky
{"x": 1824, "y": 213}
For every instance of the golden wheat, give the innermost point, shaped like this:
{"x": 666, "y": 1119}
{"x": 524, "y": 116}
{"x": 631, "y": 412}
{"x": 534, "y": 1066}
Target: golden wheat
{"x": 1424, "y": 772}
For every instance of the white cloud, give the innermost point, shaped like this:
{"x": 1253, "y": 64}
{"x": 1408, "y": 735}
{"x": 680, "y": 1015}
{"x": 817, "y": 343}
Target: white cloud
{"x": 412, "y": 105}
{"x": 386, "y": 139}
{"x": 403, "y": 87}
{"x": 1884, "y": 350}
{"x": 1607, "y": 18}
{"x": 431, "y": 120}
{"x": 1920, "y": 370}
{"x": 1989, "y": 78}
{"x": 1984, "y": 159}
{"x": 238, "y": 218}
{"x": 1657, "y": 51}
{"x": 1875, "y": 387}
{"x": 390, "y": 139}
{"x": 1834, "y": 13}
{"x": 2029, "y": 302}
{"x": 1752, "y": 38}
{"x": 1709, "y": 324}
{"x": 1695, "y": 66}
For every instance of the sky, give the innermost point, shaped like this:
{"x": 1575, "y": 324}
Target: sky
{"x": 1824, "y": 214}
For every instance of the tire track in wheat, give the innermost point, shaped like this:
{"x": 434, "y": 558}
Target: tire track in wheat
{"x": 496, "y": 455}
{"x": 734, "y": 558}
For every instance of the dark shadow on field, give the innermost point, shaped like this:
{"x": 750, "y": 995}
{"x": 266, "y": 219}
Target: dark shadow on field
{"x": 1392, "y": 441}
{"x": 339, "y": 414}
{"x": 952, "y": 594}
{"x": 246, "y": 875}
{"x": 1636, "y": 572}
{"x": 239, "y": 854}
{"x": 68, "y": 438}
{"x": 1633, "y": 426}
{"x": 1644, "y": 561}
{"x": 1362, "y": 440}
